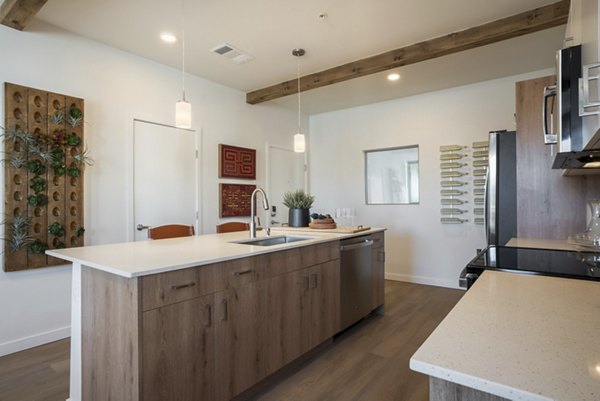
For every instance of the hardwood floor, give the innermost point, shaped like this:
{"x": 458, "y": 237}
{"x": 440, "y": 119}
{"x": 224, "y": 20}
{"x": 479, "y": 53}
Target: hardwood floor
{"x": 36, "y": 374}
{"x": 369, "y": 362}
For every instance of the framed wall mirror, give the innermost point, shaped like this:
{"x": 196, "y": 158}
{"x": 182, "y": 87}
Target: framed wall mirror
{"x": 392, "y": 176}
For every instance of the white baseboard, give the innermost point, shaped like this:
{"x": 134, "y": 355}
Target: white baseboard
{"x": 423, "y": 280}
{"x": 21, "y": 344}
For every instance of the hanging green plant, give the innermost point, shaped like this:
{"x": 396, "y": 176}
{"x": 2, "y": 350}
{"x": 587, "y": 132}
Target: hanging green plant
{"x": 73, "y": 171}
{"x": 73, "y": 140}
{"x": 37, "y": 200}
{"x": 38, "y": 247}
{"x": 80, "y": 231}
{"x": 59, "y": 170}
{"x": 57, "y": 230}
{"x": 57, "y": 118}
{"x": 36, "y": 167}
{"x": 38, "y": 184}
{"x": 16, "y": 160}
{"x": 60, "y": 245}
{"x": 18, "y": 232}
{"x": 82, "y": 158}
{"x": 75, "y": 116}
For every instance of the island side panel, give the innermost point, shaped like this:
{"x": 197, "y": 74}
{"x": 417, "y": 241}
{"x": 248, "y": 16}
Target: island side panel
{"x": 110, "y": 336}
{"x": 442, "y": 390}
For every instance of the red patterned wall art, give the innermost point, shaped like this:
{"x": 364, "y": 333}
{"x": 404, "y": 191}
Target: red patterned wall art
{"x": 236, "y": 162}
{"x": 235, "y": 200}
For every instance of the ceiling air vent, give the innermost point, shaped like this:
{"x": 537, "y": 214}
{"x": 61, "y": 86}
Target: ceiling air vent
{"x": 232, "y": 53}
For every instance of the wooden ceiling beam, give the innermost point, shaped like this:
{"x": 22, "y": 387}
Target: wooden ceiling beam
{"x": 18, "y": 13}
{"x": 506, "y": 28}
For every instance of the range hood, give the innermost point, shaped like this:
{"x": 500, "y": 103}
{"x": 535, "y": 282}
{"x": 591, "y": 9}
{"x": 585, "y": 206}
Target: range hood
{"x": 572, "y": 96}
{"x": 584, "y": 159}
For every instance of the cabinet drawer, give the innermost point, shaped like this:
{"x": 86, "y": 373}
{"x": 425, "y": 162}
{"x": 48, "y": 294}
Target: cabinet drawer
{"x": 180, "y": 285}
{"x": 378, "y": 239}
{"x": 238, "y": 272}
{"x": 298, "y": 258}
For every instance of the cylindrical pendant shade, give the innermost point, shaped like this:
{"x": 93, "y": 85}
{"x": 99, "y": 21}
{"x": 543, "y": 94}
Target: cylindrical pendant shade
{"x": 299, "y": 143}
{"x": 183, "y": 114}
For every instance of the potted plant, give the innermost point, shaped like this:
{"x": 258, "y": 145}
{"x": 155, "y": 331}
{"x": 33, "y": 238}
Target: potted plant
{"x": 299, "y": 203}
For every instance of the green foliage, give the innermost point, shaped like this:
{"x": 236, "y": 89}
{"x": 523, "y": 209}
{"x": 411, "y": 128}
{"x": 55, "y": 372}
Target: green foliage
{"x": 36, "y": 167}
{"x": 18, "y": 232}
{"x": 37, "y": 200}
{"x": 38, "y": 184}
{"x": 57, "y": 230}
{"x": 73, "y": 171}
{"x": 80, "y": 231}
{"x": 38, "y": 247}
{"x": 298, "y": 199}
{"x": 73, "y": 140}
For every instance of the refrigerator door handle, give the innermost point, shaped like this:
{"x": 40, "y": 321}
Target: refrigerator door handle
{"x": 485, "y": 206}
{"x": 491, "y": 195}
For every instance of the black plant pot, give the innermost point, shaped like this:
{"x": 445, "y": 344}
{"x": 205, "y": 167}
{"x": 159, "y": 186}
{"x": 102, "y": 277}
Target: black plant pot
{"x": 299, "y": 218}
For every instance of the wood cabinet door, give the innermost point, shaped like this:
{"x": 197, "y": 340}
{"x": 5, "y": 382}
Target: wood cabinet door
{"x": 324, "y": 296}
{"x": 287, "y": 317}
{"x": 240, "y": 341}
{"x": 178, "y": 351}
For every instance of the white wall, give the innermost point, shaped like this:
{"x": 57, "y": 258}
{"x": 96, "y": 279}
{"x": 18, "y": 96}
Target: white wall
{"x": 418, "y": 247}
{"x": 34, "y": 305}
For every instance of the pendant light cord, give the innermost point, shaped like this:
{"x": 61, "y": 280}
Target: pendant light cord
{"x": 299, "y": 104}
{"x": 183, "y": 48}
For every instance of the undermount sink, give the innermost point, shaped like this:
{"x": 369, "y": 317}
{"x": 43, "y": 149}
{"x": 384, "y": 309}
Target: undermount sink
{"x": 269, "y": 241}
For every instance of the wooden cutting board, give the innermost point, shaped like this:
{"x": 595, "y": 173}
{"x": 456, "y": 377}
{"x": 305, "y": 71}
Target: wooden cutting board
{"x": 338, "y": 229}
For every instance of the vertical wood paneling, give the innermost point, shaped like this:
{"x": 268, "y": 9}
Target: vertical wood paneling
{"x": 110, "y": 336}
{"x": 550, "y": 205}
{"x": 73, "y": 192}
{"x": 16, "y": 182}
{"x": 56, "y": 199}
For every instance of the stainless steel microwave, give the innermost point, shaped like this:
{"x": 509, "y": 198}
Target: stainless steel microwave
{"x": 565, "y": 95}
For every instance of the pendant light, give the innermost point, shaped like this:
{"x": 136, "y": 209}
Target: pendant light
{"x": 299, "y": 139}
{"x": 183, "y": 109}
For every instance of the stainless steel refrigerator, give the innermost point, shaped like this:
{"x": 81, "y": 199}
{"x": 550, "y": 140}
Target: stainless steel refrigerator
{"x": 501, "y": 188}
{"x": 500, "y": 192}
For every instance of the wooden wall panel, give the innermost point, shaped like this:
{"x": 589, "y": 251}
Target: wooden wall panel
{"x": 16, "y": 184}
{"x": 45, "y": 122}
{"x": 550, "y": 205}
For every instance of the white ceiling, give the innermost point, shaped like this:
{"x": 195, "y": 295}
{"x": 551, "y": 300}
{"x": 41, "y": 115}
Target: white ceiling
{"x": 269, "y": 29}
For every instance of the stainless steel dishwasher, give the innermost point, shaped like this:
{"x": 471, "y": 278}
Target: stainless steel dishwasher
{"x": 356, "y": 277}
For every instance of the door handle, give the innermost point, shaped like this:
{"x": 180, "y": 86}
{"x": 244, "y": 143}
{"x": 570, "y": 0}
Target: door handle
{"x": 225, "y": 311}
{"x": 141, "y": 227}
{"x": 315, "y": 280}
{"x": 208, "y": 310}
{"x": 550, "y": 138}
{"x": 242, "y": 272}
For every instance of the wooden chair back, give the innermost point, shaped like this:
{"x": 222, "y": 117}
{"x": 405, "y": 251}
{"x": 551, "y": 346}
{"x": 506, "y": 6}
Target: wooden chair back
{"x": 170, "y": 231}
{"x": 233, "y": 226}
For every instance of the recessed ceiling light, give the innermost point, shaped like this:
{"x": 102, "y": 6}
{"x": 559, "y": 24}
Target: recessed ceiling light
{"x": 393, "y": 76}
{"x": 168, "y": 37}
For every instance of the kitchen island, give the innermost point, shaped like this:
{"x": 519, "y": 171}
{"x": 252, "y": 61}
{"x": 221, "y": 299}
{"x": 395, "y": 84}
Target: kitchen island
{"x": 202, "y": 317}
{"x": 517, "y": 337}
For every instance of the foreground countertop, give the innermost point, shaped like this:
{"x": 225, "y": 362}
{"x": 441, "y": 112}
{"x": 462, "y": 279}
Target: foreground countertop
{"x": 520, "y": 337}
{"x": 133, "y": 259}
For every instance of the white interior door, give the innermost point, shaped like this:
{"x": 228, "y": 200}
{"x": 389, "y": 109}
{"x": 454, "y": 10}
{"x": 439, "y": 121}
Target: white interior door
{"x": 286, "y": 172}
{"x": 165, "y": 176}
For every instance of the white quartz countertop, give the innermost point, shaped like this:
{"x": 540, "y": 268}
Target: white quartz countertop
{"x": 133, "y": 259}
{"x": 520, "y": 337}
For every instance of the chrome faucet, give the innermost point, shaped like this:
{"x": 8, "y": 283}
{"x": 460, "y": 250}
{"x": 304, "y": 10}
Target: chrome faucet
{"x": 252, "y": 207}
